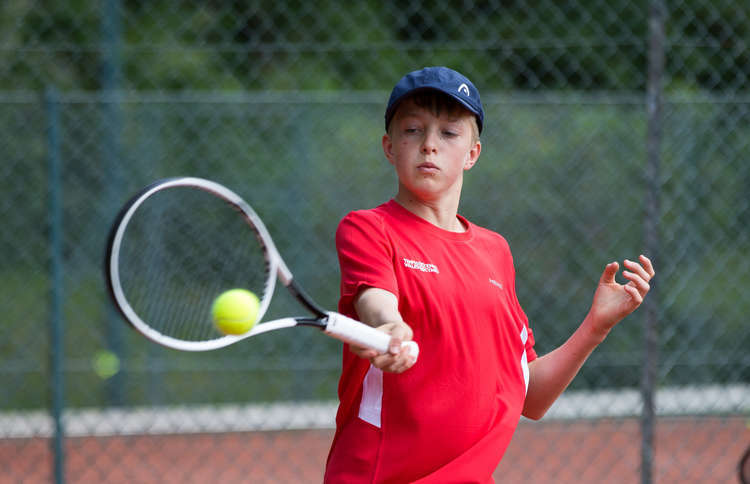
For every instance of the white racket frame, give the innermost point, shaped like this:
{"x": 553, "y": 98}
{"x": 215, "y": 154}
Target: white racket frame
{"x": 337, "y": 325}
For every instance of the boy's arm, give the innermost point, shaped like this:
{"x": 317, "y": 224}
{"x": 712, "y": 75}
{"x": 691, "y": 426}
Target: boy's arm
{"x": 550, "y": 374}
{"x": 379, "y": 308}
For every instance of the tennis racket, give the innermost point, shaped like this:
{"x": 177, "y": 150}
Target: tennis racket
{"x": 179, "y": 243}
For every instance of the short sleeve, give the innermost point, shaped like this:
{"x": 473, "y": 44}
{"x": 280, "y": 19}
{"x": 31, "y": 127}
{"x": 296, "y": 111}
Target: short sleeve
{"x": 365, "y": 256}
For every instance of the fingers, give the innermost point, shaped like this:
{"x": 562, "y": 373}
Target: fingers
{"x": 397, "y": 363}
{"x": 399, "y": 334}
{"x": 643, "y": 269}
{"x": 363, "y": 352}
{"x": 639, "y": 274}
{"x": 608, "y": 276}
{"x": 635, "y": 294}
{"x": 398, "y": 357}
{"x": 647, "y": 265}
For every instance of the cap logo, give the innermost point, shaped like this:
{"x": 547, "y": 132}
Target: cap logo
{"x": 463, "y": 88}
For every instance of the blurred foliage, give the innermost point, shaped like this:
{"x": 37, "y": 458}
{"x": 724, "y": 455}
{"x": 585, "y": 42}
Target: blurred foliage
{"x": 266, "y": 44}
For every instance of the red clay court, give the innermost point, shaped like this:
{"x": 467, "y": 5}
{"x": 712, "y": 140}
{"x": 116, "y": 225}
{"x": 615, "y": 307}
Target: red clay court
{"x": 704, "y": 450}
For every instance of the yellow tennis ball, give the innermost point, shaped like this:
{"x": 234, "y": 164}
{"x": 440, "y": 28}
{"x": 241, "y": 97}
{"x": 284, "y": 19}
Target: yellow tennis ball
{"x": 106, "y": 364}
{"x": 235, "y": 311}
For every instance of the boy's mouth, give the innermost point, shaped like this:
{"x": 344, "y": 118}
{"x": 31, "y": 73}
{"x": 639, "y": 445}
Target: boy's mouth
{"x": 427, "y": 167}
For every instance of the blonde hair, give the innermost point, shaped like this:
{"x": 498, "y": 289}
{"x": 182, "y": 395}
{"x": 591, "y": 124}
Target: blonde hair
{"x": 437, "y": 102}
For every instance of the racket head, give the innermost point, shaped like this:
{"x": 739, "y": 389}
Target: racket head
{"x": 174, "y": 247}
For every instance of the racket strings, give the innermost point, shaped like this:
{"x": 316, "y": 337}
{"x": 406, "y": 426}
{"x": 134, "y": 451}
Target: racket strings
{"x": 181, "y": 249}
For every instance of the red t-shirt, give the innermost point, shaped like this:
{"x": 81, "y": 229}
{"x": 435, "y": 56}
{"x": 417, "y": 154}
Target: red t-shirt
{"x": 450, "y": 417}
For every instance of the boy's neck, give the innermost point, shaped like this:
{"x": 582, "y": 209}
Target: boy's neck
{"x": 442, "y": 213}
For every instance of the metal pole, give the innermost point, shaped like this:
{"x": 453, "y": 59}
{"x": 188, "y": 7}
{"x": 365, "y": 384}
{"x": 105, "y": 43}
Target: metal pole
{"x": 651, "y": 229}
{"x": 56, "y": 284}
{"x": 110, "y": 80}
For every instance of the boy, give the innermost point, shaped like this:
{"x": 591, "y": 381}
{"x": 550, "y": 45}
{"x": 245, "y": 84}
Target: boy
{"x": 414, "y": 268}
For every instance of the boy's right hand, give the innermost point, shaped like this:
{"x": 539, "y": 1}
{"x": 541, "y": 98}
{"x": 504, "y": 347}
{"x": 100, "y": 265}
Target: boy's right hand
{"x": 379, "y": 308}
{"x": 398, "y": 359}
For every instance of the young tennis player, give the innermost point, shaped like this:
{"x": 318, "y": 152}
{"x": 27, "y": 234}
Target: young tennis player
{"x": 416, "y": 269}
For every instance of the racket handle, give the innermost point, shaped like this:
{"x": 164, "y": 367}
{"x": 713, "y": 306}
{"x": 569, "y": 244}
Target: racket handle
{"x": 352, "y": 331}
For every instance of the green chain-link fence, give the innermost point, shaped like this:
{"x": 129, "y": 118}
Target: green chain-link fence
{"x": 613, "y": 128}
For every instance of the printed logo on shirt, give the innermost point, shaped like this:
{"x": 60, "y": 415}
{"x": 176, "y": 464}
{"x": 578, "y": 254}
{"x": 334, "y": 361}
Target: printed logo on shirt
{"x": 498, "y": 284}
{"x": 420, "y": 266}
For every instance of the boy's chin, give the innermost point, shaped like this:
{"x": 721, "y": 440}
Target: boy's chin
{"x": 427, "y": 190}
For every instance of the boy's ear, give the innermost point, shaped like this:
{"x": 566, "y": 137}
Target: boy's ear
{"x": 473, "y": 155}
{"x": 388, "y": 147}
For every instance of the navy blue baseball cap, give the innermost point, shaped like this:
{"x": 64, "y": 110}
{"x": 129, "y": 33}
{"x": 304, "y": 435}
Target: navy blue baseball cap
{"x": 442, "y": 79}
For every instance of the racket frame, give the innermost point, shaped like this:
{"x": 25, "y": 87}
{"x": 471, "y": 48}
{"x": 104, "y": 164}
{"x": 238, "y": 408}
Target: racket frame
{"x": 276, "y": 268}
{"x": 334, "y": 324}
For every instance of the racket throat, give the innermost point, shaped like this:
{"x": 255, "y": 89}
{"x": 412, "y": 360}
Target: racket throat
{"x": 306, "y": 301}
{"x": 311, "y": 321}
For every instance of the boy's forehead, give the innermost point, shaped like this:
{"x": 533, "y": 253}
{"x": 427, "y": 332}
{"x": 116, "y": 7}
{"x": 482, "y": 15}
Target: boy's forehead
{"x": 409, "y": 107}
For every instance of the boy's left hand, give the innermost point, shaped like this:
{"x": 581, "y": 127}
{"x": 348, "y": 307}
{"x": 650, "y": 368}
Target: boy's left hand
{"x": 613, "y": 301}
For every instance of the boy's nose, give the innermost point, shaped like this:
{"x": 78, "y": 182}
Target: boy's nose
{"x": 429, "y": 144}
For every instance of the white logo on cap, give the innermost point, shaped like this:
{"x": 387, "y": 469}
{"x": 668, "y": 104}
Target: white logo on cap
{"x": 464, "y": 89}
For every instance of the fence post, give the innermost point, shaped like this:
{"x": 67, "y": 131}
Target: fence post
{"x": 110, "y": 83}
{"x": 56, "y": 283}
{"x": 651, "y": 228}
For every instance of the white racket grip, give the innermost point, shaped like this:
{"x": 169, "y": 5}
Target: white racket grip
{"x": 352, "y": 331}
